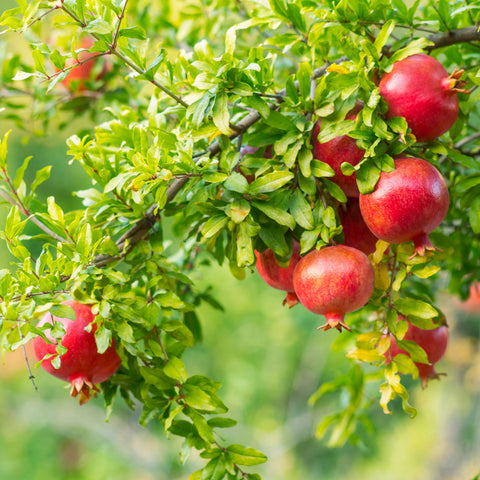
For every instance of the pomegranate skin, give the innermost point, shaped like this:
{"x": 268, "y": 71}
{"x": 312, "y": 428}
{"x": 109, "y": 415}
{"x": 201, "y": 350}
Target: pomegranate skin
{"x": 276, "y": 276}
{"x": 81, "y": 365}
{"x": 355, "y": 230}
{"x": 434, "y": 342}
{"x": 407, "y": 204}
{"x": 338, "y": 150}
{"x": 334, "y": 281}
{"x": 419, "y": 89}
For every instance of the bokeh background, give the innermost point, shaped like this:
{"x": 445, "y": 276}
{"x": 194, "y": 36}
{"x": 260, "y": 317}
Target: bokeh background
{"x": 269, "y": 359}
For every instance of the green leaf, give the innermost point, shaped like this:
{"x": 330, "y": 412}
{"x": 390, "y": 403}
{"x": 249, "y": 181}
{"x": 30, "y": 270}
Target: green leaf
{"x": 133, "y": 32}
{"x": 220, "y": 113}
{"x": 236, "y": 182}
{"x": 245, "y": 255}
{"x": 329, "y": 132}
{"x": 98, "y": 26}
{"x": 411, "y": 306}
{"x": 54, "y": 210}
{"x": 20, "y": 173}
{"x": 238, "y": 210}
{"x": 175, "y": 369}
{"x": 221, "y": 422}
{"x": 214, "y": 225}
{"x": 282, "y": 217}
{"x": 270, "y": 182}
{"x": 179, "y": 331}
{"x": 197, "y": 398}
{"x": 204, "y": 429}
{"x": 474, "y": 215}
{"x": 41, "y": 175}
{"x": 384, "y": 35}
{"x": 321, "y": 169}
{"x": 301, "y": 210}
{"x": 245, "y": 456}
{"x": 416, "y": 352}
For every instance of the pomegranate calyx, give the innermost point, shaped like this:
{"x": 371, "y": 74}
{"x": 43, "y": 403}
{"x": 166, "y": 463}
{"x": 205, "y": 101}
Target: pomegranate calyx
{"x": 422, "y": 244}
{"x": 83, "y": 387}
{"x": 431, "y": 376}
{"x": 334, "y": 320}
{"x": 453, "y": 82}
{"x": 290, "y": 300}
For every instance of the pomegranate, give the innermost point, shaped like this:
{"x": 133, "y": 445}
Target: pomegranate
{"x": 81, "y": 365}
{"x": 78, "y": 76}
{"x": 276, "y": 276}
{"x": 355, "y": 231}
{"x": 419, "y": 89}
{"x": 407, "y": 204}
{"x": 334, "y": 281}
{"x": 338, "y": 150}
{"x": 472, "y": 303}
{"x": 434, "y": 342}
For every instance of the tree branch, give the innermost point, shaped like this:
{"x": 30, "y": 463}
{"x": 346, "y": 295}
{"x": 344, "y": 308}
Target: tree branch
{"x": 461, "y": 35}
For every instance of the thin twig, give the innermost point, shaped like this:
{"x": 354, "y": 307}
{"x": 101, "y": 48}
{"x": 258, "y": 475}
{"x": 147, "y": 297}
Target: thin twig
{"x": 32, "y": 217}
{"x": 117, "y": 29}
{"x": 136, "y": 68}
{"x": 30, "y": 374}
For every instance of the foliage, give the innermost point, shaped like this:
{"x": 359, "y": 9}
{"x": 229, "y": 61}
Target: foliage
{"x": 174, "y": 97}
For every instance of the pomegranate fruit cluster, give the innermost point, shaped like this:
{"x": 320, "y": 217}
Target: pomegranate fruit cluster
{"x": 406, "y": 205}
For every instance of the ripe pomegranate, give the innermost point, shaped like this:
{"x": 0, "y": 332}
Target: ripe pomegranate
{"x": 276, "y": 276}
{"x": 81, "y": 365}
{"x": 472, "y": 303}
{"x": 338, "y": 150}
{"x": 77, "y": 77}
{"x": 334, "y": 281}
{"x": 407, "y": 204}
{"x": 355, "y": 231}
{"x": 420, "y": 89}
{"x": 434, "y": 342}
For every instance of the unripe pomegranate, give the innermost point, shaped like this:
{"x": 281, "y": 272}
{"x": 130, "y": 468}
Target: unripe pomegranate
{"x": 407, "y": 203}
{"x": 434, "y": 342}
{"x": 276, "y": 276}
{"x": 334, "y": 281}
{"x": 355, "y": 231}
{"x": 419, "y": 89}
{"x": 81, "y": 365}
{"x": 338, "y": 150}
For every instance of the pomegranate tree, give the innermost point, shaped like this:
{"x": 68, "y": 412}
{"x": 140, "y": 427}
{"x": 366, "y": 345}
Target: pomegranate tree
{"x": 277, "y": 276}
{"x": 355, "y": 231}
{"x": 334, "y": 281}
{"x": 81, "y": 365}
{"x": 434, "y": 343}
{"x": 419, "y": 89}
{"x": 337, "y": 151}
{"x": 407, "y": 203}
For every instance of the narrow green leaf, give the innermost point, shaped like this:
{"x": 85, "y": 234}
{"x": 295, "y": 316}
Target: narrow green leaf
{"x": 270, "y": 182}
{"x": 301, "y": 210}
{"x": 245, "y": 456}
{"x": 220, "y": 113}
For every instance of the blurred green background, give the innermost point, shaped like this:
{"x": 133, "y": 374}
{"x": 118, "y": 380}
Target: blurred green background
{"x": 269, "y": 360}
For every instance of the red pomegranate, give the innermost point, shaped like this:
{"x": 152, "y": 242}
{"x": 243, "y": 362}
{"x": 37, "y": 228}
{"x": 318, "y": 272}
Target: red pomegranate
{"x": 338, "y": 150}
{"x": 355, "y": 231}
{"x": 276, "y": 276}
{"x": 334, "y": 281}
{"x": 472, "y": 303}
{"x": 419, "y": 89}
{"x": 78, "y": 76}
{"x": 407, "y": 203}
{"x": 434, "y": 342}
{"x": 81, "y": 365}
